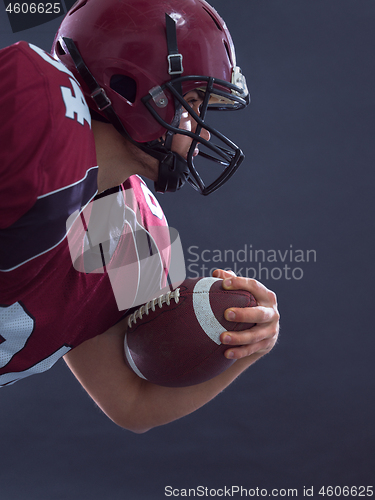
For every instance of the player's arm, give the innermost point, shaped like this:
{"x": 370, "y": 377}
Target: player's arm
{"x": 138, "y": 405}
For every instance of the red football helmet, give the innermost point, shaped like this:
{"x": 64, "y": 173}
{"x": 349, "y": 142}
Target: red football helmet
{"x": 136, "y": 59}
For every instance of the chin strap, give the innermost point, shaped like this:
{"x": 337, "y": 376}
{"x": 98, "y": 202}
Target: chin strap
{"x": 174, "y": 170}
{"x": 175, "y": 68}
{"x": 97, "y": 93}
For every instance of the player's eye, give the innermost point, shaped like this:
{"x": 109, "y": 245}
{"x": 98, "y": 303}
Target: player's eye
{"x": 195, "y": 104}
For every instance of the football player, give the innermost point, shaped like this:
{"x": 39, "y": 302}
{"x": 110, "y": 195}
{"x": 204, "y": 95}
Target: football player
{"x": 125, "y": 93}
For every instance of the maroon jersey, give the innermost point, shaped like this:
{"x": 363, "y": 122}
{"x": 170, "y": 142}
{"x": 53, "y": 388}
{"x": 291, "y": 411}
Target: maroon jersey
{"x": 54, "y": 294}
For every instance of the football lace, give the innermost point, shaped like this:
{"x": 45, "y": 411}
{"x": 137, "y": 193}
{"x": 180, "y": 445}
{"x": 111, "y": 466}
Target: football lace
{"x": 163, "y": 299}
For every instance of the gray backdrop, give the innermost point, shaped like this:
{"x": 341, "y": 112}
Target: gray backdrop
{"x": 303, "y": 416}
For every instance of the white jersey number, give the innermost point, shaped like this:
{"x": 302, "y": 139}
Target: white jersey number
{"x": 152, "y": 202}
{"x": 75, "y": 103}
{"x": 16, "y": 327}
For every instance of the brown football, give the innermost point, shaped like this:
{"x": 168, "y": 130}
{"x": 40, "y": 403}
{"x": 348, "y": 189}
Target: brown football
{"x": 174, "y": 340}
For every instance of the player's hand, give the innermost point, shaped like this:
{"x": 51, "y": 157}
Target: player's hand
{"x": 263, "y": 336}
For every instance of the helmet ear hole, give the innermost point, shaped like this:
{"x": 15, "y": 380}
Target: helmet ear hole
{"x": 125, "y": 86}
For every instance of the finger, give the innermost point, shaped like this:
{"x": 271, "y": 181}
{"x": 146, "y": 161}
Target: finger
{"x": 263, "y": 295}
{"x": 221, "y": 273}
{"x": 247, "y": 350}
{"x": 249, "y": 337}
{"x": 257, "y": 314}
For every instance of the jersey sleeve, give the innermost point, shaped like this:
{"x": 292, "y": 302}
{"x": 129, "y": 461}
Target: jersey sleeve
{"x": 38, "y": 136}
{"x": 23, "y": 133}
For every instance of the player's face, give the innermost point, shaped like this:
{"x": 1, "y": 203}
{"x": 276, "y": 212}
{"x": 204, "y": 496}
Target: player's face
{"x": 181, "y": 143}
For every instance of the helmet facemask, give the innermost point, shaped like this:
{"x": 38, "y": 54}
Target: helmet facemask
{"x": 217, "y": 95}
